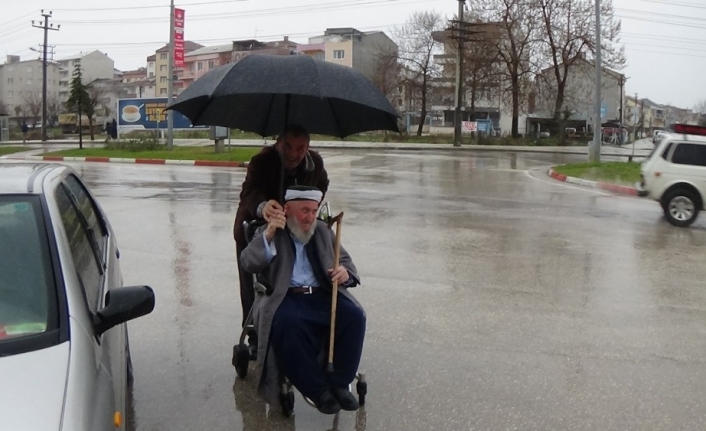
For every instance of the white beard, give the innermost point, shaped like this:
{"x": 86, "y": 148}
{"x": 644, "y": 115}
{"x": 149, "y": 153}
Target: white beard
{"x": 298, "y": 232}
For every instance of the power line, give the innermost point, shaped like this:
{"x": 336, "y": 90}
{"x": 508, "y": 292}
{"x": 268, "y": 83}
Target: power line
{"x": 252, "y": 13}
{"x": 150, "y": 7}
{"x": 660, "y": 14}
{"x": 675, "y": 3}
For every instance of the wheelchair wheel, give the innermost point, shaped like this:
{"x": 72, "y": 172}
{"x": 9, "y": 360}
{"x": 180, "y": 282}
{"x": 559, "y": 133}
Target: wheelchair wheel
{"x": 287, "y": 401}
{"x": 362, "y": 389}
{"x": 241, "y": 358}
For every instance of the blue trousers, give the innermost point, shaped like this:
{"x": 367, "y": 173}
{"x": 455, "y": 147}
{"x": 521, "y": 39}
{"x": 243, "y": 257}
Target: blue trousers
{"x": 300, "y": 333}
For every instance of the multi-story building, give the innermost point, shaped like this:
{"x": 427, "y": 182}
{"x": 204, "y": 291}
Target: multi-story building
{"x": 484, "y": 96}
{"x": 94, "y": 65}
{"x": 200, "y": 61}
{"x": 21, "y": 87}
{"x": 161, "y": 68}
{"x": 350, "y": 47}
{"x": 580, "y": 94}
{"x": 152, "y": 66}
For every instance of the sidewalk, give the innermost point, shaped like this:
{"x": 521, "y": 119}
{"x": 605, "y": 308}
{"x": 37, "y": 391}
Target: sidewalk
{"x": 642, "y": 149}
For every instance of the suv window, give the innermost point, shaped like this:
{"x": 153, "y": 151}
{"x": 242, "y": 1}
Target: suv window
{"x": 82, "y": 251}
{"x": 28, "y": 302}
{"x": 689, "y": 154}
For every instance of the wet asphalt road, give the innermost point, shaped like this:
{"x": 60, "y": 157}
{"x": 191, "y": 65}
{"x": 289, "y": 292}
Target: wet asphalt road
{"x": 497, "y": 299}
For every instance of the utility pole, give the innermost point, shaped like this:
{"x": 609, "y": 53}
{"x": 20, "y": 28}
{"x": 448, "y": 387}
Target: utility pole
{"x": 642, "y": 117}
{"x": 170, "y": 85}
{"x": 637, "y": 117}
{"x": 458, "y": 137}
{"x": 621, "y": 82}
{"x": 595, "y": 153}
{"x": 46, "y": 27}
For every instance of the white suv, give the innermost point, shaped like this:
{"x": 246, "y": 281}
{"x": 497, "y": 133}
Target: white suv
{"x": 675, "y": 174}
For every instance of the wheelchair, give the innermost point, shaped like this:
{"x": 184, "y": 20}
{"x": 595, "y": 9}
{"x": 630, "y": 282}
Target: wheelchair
{"x": 242, "y": 354}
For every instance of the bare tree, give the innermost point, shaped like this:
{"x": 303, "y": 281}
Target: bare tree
{"x": 417, "y": 47}
{"x": 54, "y": 108}
{"x": 700, "y": 108}
{"x": 517, "y": 21}
{"x": 96, "y": 96}
{"x": 33, "y": 105}
{"x": 386, "y": 75}
{"x": 568, "y": 32}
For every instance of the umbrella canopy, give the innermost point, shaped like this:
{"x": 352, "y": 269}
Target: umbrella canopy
{"x": 262, "y": 93}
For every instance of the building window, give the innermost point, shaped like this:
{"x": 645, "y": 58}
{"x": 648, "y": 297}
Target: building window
{"x": 151, "y": 74}
{"x": 29, "y": 69}
{"x": 162, "y": 91}
{"x": 200, "y": 65}
{"x": 9, "y": 94}
{"x": 29, "y": 82}
{"x": 211, "y": 64}
{"x": 339, "y": 54}
{"x": 10, "y": 80}
{"x": 163, "y": 56}
{"x": 162, "y": 67}
{"x": 162, "y": 79}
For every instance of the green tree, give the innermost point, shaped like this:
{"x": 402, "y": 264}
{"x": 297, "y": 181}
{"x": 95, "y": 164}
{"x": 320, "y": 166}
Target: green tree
{"x": 79, "y": 101}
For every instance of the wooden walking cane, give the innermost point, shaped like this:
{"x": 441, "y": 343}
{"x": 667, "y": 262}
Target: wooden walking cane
{"x": 334, "y": 291}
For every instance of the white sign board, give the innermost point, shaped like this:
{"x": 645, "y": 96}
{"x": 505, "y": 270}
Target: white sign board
{"x": 469, "y": 126}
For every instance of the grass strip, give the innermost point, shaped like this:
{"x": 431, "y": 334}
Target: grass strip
{"x": 623, "y": 173}
{"x": 10, "y": 150}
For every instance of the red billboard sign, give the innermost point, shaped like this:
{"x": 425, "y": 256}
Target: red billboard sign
{"x": 178, "y": 37}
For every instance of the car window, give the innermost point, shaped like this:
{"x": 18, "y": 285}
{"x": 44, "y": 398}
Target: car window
{"x": 689, "y": 154}
{"x": 28, "y": 304}
{"x": 665, "y": 153}
{"x": 88, "y": 209}
{"x": 84, "y": 257}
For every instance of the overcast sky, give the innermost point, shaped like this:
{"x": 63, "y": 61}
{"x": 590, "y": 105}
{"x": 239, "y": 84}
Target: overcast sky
{"x": 665, "y": 40}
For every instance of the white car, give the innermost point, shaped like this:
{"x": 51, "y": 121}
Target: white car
{"x": 675, "y": 174}
{"x": 657, "y": 135}
{"x": 64, "y": 355}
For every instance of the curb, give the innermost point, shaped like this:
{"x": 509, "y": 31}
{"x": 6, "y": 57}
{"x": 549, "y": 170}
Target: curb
{"x": 211, "y": 163}
{"x": 625, "y": 190}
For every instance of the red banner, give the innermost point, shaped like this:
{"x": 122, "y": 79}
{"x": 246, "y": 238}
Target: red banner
{"x": 178, "y": 37}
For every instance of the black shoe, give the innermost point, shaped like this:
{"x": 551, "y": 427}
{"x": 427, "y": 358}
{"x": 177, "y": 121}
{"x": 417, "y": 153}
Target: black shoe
{"x": 345, "y": 398}
{"x": 327, "y": 404}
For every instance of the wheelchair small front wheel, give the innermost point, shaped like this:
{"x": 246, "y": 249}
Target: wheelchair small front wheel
{"x": 287, "y": 401}
{"x": 362, "y": 389}
{"x": 241, "y": 358}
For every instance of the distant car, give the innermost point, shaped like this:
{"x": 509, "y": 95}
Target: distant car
{"x": 64, "y": 354}
{"x": 675, "y": 174}
{"x": 657, "y": 135}
{"x": 544, "y": 134}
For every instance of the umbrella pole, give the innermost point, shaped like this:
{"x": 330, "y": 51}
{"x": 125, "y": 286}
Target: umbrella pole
{"x": 334, "y": 291}
{"x": 287, "y": 99}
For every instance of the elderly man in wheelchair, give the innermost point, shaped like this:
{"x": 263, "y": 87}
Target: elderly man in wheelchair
{"x": 293, "y": 255}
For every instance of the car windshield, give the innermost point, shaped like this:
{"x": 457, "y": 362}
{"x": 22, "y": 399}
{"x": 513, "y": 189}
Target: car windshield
{"x": 27, "y": 288}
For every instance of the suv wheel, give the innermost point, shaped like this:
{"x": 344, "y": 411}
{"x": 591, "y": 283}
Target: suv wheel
{"x": 681, "y": 207}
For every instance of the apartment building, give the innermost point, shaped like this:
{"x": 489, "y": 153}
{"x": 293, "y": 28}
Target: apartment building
{"x": 200, "y": 61}
{"x": 160, "y": 66}
{"x": 350, "y": 47}
{"x": 21, "y": 86}
{"x": 94, "y": 65}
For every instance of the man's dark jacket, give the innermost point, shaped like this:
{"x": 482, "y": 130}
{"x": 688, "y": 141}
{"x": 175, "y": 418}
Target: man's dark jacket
{"x": 262, "y": 183}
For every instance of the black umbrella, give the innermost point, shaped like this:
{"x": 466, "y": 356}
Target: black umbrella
{"x": 263, "y": 93}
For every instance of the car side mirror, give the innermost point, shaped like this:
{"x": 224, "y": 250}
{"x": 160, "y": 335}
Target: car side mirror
{"x": 123, "y": 304}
